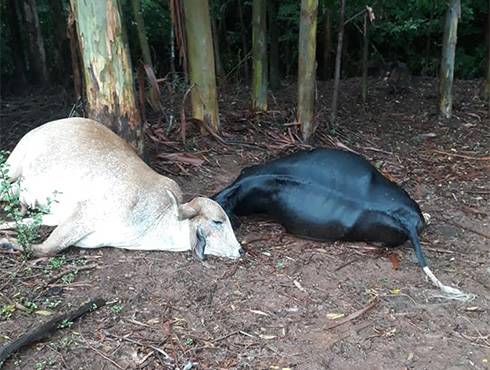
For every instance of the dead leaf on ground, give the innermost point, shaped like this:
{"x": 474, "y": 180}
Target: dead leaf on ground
{"x": 395, "y": 262}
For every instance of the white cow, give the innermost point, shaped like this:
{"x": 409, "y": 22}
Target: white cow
{"x": 103, "y": 194}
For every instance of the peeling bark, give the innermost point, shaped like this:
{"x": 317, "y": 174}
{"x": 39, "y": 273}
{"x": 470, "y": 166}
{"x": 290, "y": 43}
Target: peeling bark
{"x": 107, "y": 69}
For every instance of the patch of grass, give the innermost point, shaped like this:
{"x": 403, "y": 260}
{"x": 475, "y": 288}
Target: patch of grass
{"x": 6, "y": 311}
{"x": 30, "y": 305}
{"x": 55, "y": 263}
{"x": 117, "y": 308}
{"x": 69, "y": 277}
{"x": 66, "y": 343}
{"x": 44, "y": 364}
{"x": 51, "y": 304}
{"x": 65, "y": 324}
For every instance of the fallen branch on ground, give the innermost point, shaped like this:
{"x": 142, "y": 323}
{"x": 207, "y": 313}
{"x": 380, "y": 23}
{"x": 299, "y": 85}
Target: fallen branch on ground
{"x": 354, "y": 315}
{"x": 44, "y": 330}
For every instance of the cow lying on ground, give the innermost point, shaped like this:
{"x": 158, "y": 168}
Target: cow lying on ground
{"x": 328, "y": 194}
{"x": 103, "y": 194}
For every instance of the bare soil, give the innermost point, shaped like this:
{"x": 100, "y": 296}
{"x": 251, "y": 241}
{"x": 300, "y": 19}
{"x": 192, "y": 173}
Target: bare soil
{"x": 277, "y": 307}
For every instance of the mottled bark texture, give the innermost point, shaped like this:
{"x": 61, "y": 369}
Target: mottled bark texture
{"x": 107, "y": 69}
{"x": 201, "y": 62}
{"x": 307, "y": 68}
{"x": 447, "y": 59}
{"x": 259, "y": 56}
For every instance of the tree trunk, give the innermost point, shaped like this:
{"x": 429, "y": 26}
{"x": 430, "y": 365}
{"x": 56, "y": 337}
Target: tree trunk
{"x": 259, "y": 55}
{"x": 307, "y": 68}
{"x": 365, "y": 47}
{"x": 485, "y": 91}
{"x": 37, "y": 53}
{"x": 327, "y": 47}
{"x": 140, "y": 26}
{"x": 74, "y": 54}
{"x": 217, "y": 56}
{"x": 243, "y": 32}
{"x": 201, "y": 62}
{"x": 17, "y": 44}
{"x": 447, "y": 60}
{"x": 61, "y": 42}
{"x": 145, "y": 51}
{"x": 275, "y": 80}
{"x": 338, "y": 62}
{"x": 107, "y": 69}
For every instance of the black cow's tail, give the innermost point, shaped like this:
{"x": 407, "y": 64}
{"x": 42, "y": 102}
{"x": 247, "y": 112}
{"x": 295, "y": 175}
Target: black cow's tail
{"x": 448, "y": 291}
{"x": 414, "y": 238}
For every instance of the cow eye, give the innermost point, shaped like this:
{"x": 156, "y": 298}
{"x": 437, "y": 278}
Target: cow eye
{"x": 217, "y": 222}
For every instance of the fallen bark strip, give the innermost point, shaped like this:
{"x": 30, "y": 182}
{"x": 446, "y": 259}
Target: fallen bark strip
{"x": 44, "y": 330}
{"x": 354, "y": 315}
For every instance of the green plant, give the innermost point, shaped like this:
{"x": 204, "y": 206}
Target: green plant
{"x": 117, "y": 308}
{"x": 30, "y": 305}
{"x": 40, "y": 365}
{"x": 65, "y": 324}
{"x": 66, "y": 342}
{"x": 7, "y": 310}
{"x": 69, "y": 277}
{"x": 27, "y": 232}
{"x": 51, "y": 304}
{"x": 55, "y": 263}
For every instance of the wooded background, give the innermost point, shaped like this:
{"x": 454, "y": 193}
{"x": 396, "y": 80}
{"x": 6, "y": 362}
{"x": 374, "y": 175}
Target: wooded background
{"x": 201, "y": 46}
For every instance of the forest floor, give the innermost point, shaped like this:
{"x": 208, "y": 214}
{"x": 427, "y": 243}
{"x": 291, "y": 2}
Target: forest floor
{"x": 288, "y": 303}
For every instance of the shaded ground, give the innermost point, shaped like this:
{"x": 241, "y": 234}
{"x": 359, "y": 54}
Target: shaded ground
{"x": 275, "y": 307}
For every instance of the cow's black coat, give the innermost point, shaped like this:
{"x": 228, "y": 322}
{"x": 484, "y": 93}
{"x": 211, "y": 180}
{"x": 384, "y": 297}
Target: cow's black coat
{"x": 327, "y": 194}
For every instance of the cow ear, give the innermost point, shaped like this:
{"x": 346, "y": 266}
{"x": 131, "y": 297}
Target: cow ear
{"x": 200, "y": 244}
{"x": 188, "y": 210}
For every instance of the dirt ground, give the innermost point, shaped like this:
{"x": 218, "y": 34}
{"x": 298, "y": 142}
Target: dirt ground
{"x": 288, "y": 303}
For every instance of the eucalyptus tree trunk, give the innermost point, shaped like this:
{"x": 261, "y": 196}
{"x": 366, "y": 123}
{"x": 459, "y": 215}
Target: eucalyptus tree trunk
{"x": 107, "y": 68}
{"x": 275, "y": 80}
{"x": 338, "y": 62}
{"x": 217, "y": 55}
{"x": 485, "y": 91}
{"x": 259, "y": 56}
{"x": 61, "y": 49}
{"x": 306, "y": 68}
{"x": 37, "y": 52}
{"x": 327, "y": 43}
{"x": 145, "y": 52}
{"x": 243, "y": 32}
{"x": 365, "y": 46}
{"x": 74, "y": 53}
{"x": 201, "y": 62}
{"x": 140, "y": 26}
{"x": 447, "y": 60}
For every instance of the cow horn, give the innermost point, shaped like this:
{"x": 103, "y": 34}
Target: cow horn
{"x": 188, "y": 210}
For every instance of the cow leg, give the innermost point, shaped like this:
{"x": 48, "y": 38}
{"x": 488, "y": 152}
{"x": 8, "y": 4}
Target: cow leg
{"x": 12, "y": 224}
{"x": 67, "y": 233}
